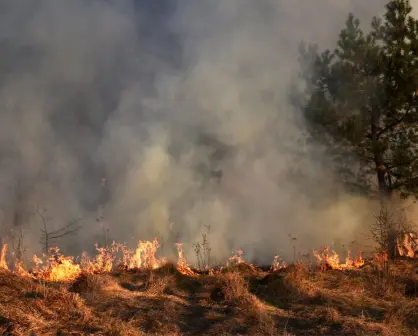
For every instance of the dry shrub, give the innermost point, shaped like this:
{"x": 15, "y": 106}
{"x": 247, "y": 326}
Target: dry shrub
{"x": 296, "y": 275}
{"x": 243, "y": 268}
{"x": 402, "y": 319}
{"x": 389, "y": 230}
{"x": 163, "y": 320}
{"x": 166, "y": 269}
{"x": 332, "y": 315}
{"x": 354, "y": 284}
{"x": 12, "y": 280}
{"x": 297, "y": 283}
{"x": 152, "y": 281}
{"x": 89, "y": 283}
{"x": 236, "y": 292}
{"x": 292, "y": 284}
{"x": 235, "y": 288}
{"x": 6, "y": 325}
{"x": 158, "y": 285}
{"x": 395, "y": 321}
{"x": 299, "y": 270}
{"x": 116, "y": 328}
{"x": 410, "y": 313}
{"x": 383, "y": 284}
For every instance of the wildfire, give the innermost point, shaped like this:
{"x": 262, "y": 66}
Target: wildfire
{"x": 3, "y": 263}
{"x": 145, "y": 255}
{"x": 103, "y": 261}
{"x": 408, "y": 246}
{"x": 182, "y": 264}
{"x": 64, "y": 270}
{"x": 57, "y": 267}
{"x": 236, "y": 258}
{"x": 20, "y": 270}
{"x": 277, "y": 264}
{"x": 331, "y": 260}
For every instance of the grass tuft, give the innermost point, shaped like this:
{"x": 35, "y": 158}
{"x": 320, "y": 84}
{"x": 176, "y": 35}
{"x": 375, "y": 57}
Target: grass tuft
{"x": 241, "y": 300}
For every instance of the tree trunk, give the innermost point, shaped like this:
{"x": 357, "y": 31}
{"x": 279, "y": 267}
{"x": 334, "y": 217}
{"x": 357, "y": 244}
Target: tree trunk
{"x": 386, "y": 194}
{"x": 384, "y": 183}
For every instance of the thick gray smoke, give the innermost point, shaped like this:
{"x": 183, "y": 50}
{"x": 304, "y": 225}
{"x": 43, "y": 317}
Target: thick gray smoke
{"x": 183, "y": 107}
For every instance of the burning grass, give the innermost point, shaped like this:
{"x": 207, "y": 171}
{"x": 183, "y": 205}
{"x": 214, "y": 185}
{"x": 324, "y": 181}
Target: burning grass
{"x": 140, "y": 294}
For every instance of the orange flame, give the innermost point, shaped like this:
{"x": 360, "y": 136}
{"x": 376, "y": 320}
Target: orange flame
{"x": 408, "y": 246}
{"x": 145, "y": 255}
{"x": 327, "y": 260}
{"x": 102, "y": 262}
{"x": 62, "y": 268}
{"x": 57, "y": 267}
{"x": 20, "y": 270}
{"x": 277, "y": 264}
{"x": 3, "y": 263}
{"x": 182, "y": 264}
{"x": 236, "y": 258}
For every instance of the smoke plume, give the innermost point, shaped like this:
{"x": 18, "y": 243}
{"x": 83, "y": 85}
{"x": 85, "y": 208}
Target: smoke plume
{"x": 165, "y": 120}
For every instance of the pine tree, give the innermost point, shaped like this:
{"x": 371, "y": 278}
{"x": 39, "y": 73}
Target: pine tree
{"x": 361, "y": 100}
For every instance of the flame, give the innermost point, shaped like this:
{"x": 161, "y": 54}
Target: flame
{"x": 37, "y": 261}
{"x": 277, "y": 265}
{"x": 20, "y": 270}
{"x": 3, "y": 263}
{"x": 327, "y": 260}
{"x": 236, "y": 258}
{"x": 102, "y": 262}
{"x": 357, "y": 262}
{"x": 64, "y": 270}
{"x": 408, "y": 245}
{"x": 145, "y": 255}
{"x": 57, "y": 268}
{"x": 182, "y": 264}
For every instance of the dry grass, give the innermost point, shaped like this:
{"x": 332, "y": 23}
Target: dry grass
{"x": 239, "y": 301}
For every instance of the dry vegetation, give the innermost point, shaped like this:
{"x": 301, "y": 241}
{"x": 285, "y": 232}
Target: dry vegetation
{"x": 238, "y": 300}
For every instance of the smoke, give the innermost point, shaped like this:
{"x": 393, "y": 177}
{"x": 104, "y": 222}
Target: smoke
{"x": 183, "y": 107}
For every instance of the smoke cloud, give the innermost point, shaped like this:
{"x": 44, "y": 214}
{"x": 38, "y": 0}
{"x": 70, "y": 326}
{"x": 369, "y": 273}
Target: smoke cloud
{"x": 183, "y": 108}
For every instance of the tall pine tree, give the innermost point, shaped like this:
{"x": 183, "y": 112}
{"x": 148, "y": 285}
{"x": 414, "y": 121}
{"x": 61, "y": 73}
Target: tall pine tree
{"x": 361, "y": 100}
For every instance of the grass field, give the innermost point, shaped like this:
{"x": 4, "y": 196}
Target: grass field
{"x": 238, "y": 300}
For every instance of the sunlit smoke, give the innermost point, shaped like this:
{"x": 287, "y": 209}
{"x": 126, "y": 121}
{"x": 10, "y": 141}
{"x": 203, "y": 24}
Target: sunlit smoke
{"x": 161, "y": 121}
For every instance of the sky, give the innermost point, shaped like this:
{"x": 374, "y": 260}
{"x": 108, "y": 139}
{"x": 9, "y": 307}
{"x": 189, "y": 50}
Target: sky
{"x": 139, "y": 93}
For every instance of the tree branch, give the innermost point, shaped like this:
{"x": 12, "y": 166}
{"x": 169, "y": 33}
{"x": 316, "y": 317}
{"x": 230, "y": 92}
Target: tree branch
{"x": 400, "y": 183}
{"x": 410, "y": 162}
{"x": 395, "y": 123}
